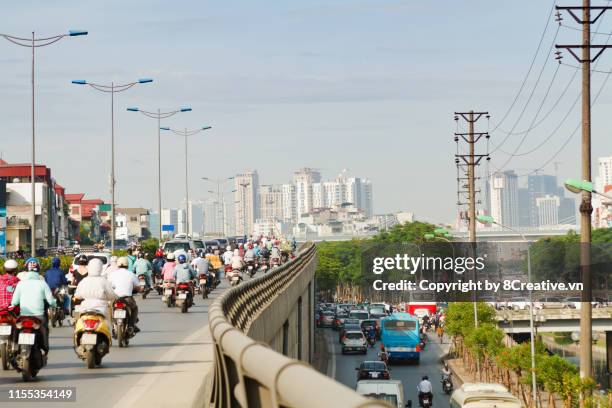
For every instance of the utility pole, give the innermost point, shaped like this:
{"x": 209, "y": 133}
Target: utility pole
{"x": 471, "y": 160}
{"x": 586, "y": 208}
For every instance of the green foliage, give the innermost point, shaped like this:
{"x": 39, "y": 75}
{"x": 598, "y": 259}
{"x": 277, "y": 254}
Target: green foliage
{"x": 149, "y": 246}
{"x": 485, "y": 339}
{"x": 460, "y": 317}
{"x": 45, "y": 262}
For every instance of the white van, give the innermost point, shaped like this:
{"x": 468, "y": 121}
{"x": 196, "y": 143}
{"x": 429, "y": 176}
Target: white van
{"x": 483, "y": 395}
{"x": 390, "y": 391}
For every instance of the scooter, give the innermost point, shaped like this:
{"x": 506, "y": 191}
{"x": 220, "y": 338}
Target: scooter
{"x": 184, "y": 298}
{"x": 251, "y": 269}
{"x": 29, "y": 358}
{"x": 142, "y": 282}
{"x": 57, "y": 313}
{"x": 203, "y": 288}
{"x": 123, "y": 331}
{"x": 236, "y": 277}
{"x": 426, "y": 401}
{"x": 92, "y": 337}
{"x": 447, "y": 384}
{"x": 169, "y": 296}
{"x": 263, "y": 266}
{"x": 8, "y": 317}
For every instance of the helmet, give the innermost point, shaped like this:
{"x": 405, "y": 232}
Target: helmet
{"x": 229, "y": 248}
{"x": 170, "y": 256}
{"x": 32, "y": 264}
{"x": 382, "y": 347}
{"x": 56, "y": 262}
{"x": 123, "y": 262}
{"x": 10, "y": 265}
{"x": 182, "y": 258}
{"x": 94, "y": 267}
{"x": 82, "y": 259}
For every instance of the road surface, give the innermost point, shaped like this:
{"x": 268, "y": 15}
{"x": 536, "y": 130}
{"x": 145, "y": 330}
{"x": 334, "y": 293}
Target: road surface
{"x": 172, "y": 349}
{"x": 342, "y": 367}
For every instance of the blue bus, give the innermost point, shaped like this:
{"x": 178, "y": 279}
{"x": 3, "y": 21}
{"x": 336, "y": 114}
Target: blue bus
{"x": 399, "y": 333}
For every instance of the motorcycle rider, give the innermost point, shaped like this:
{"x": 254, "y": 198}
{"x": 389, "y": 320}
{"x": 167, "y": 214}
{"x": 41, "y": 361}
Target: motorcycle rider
{"x": 371, "y": 333}
{"x": 81, "y": 271}
{"x": 227, "y": 255}
{"x": 424, "y": 388}
{"x": 142, "y": 266}
{"x": 8, "y": 282}
{"x": 275, "y": 253}
{"x": 183, "y": 272}
{"x": 383, "y": 356}
{"x": 124, "y": 283}
{"x": 30, "y": 295}
{"x": 95, "y": 290}
{"x": 131, "y": 259}
{"x": 237, "y": 261}
{"x": 76, "y": 248}
{"x": 158, "y": 263}
{"x": 446, "y": 372}
{"x": 169, "y": 266}
{"x": 56, "y": 278}
{"x": 201, "y": 264}
{"x": 249, "y": 255}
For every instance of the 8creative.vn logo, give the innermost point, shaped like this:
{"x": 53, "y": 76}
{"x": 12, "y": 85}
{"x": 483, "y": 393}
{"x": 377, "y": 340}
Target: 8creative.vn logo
{"x": 412, "y": 264}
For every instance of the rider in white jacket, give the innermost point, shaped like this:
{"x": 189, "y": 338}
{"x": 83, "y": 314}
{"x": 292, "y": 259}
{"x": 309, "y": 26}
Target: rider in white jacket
{"x": 95, "y": 290}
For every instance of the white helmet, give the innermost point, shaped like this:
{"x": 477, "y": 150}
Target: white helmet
{"x": 229, "y": 248}
{"x": 94, "y": 267}
{"x": 10, "y": 264}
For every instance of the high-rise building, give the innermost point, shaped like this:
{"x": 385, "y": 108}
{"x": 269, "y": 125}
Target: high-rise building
{"x": 213, "y": 217}
{"x": 289, "y": 204}
{"x": 246, "y": 201}
{"x": 539, "y": 185}
{"x": 524, "y": 208}
{"x": 504, "y": 198}
{"x": 548, "y": 210}
{"x": 270, "y": 202}
{"x": 602, "y": 207}
{"x": 154, "y": 224}
{"x": 303, "y": 180}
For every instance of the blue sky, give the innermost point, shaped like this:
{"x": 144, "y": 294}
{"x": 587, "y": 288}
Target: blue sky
{"x": 366, "y": 85}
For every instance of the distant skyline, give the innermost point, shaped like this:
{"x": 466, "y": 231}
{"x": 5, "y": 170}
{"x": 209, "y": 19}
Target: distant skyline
{"x": 368, "y": 85}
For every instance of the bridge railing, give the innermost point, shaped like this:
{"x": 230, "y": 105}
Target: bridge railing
{"x": 248, "y": 373}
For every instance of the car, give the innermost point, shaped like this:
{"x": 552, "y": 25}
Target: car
{"x": 518, "y": 303}
{"x": 377, "y": 313}
{"x": 181, "y": 244}
{"x": 103, "y": 256}
{"x": 223, "y": 242}
{"x": 354, "y": 341}
{"x": 212, "y": 245}
{"x": 360, "y": 314}
{"x": 349, "y": 324}
{"x": 390, "y": 391}
{"x": 372, "y": 370}
{"x": 339, "y": 319}
{"x": 198, "y": 244}
{"x": 551, "y": 302}
{"x": 327, "y": 319}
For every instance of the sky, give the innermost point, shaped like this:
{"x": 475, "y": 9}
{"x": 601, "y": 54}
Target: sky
{"x": 370, "y": 86}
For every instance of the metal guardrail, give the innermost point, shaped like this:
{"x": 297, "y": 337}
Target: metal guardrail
{"x": 247, "y": 373}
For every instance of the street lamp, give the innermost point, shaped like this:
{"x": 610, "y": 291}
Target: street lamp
{"x": 585, "y": 188}
{"x": 159, "y": 115}
{"x": 488, "y": 220}
{"x": 112, "y": 89}
{"x": 186, "y": 133}
{"x": 218, "y": 181}
{"x": 34, "y": 43}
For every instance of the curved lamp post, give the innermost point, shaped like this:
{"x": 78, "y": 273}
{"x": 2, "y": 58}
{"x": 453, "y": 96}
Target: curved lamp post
{"x": 186, "y": 133}
{"x": 488, "y": 220}
{"x": 112, "y": 89}
{"x": 159, "y": 115}
{"x": 34, "y": 43}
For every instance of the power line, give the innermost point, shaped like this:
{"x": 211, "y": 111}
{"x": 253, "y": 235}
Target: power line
{"x": 531, "y": 65}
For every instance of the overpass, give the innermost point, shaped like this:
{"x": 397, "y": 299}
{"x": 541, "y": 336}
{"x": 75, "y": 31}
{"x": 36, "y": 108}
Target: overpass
{"x": 494, "y": 234}
{"x": 552, "y": 320}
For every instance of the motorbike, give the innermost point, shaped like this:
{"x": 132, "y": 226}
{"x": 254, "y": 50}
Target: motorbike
{"x": 142, "y": 282}
{"x": 169, "y": 294}
{"x": 274, "y": 263}
{"x": 92, "y": 337}
{"x": 203, "y": 278}
{"x": 57, "y": 313}
{"x": 426, "y": 401}
{"x": 264, "y": 265}
{"x": 8, "y": 317}
{"x": 447, "y": 384}
{"x": 251, "y": 268}
{"x": 183, "y": 296}
{"x": 235, "y": 277}
{"x": 29, "y": 358}
{"x": 371, "y": 341}
{"x": 123, "y": 330}
{"x": 384, "y": 357}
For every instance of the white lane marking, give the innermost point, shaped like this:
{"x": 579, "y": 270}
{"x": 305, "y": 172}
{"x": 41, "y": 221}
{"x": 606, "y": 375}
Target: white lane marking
{"x": 147, "y": 380}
